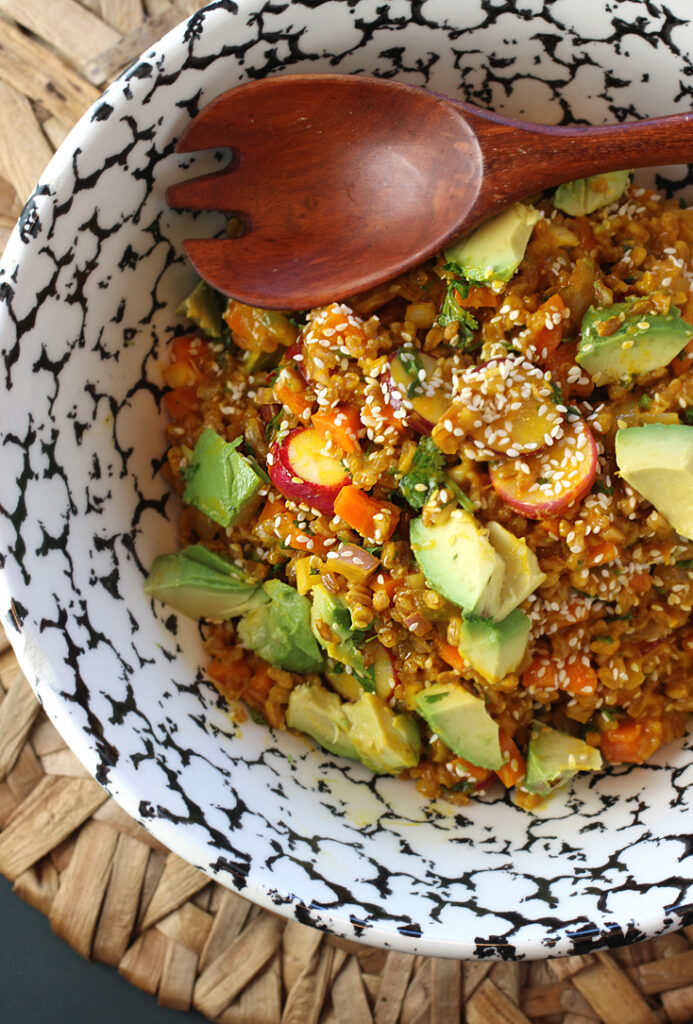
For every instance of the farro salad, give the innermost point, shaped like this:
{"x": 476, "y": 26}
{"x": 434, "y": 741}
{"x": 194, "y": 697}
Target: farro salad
{"x": 445, "y": 528}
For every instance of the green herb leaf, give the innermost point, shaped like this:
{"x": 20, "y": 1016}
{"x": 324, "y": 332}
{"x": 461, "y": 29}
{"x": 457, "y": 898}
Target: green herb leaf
{"x": 599, "y": 487}
{"x": 427, "y": 465}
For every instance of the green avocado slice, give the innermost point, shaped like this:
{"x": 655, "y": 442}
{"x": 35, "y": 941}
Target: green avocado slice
{"x": 463, "y": 724}
{"x": 494, "y": 251}
{"x": 221, "y": 482}
{"x": 554, "y": 757}
{"x": 657, "y": 461}
{"x": 202, "y": 585}
{"x": 633, "y": 343}
{"x": 279, "y": 630}
{"x": 585, "y": 195}
{"x": 320, "y": 713}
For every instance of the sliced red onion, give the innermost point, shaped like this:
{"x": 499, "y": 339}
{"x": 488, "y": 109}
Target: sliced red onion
{"x": 353, "y": 562}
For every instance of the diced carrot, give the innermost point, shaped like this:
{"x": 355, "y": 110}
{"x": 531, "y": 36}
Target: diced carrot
{"x": 180, "y": 401}
{"x": 261, "y": 683}
{"x": 290, "y": 390}
{"x": 640, "y": 582}
{"x": 286, "y": 528}
{"x": 477, "y": 777}
{"x": 478, "y": 297}
{"x": 551, "y": 526}
{"x": 577, "y": 678}
{"x": 333, "y": 319}
{"x": 452, "y": 656}
{"x": 540, "y": 675}
{"x": 684, "y": 360}
{"x": 259, "y": 330}
{"x": 341, "y": 425}
{"x": 233, "y": 675}
{"x": 385, "y": 581}
{"x": 515, "y": 767}
{"x": 631, "y": 742}
{"x": 188, "y": 347}
{"x": 602, "y": 553}
{"x": 546, "y": 339}
{"x": 375, "y": 520}
{"x": 559, "y": 363}
{"x": 388, "y": 414}
{"x": 181, "y": 374}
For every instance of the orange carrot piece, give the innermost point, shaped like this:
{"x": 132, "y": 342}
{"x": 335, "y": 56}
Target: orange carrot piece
{"x": 290, "y": 390}
{"x": 515, "y": 767}
{"x": 579, "y": 678}
{"x": 551, "y": 526}
{"x": 286, "y": 528}
{"x": 375, "y": 520}
{"x": 640, "y": 582}
{"x": 478, "y": 297}
{"x": 341, "y": 425}
{"x": 631, "y": 742}
{"x": 259, "y": 330}
{"x": 452, "y": 656}
{"x": 476, "y": 776}
{"x": 180, "y": 401}
{"x": 188, "y": 347}
{"x": 384, "y": 581}
{"x": 540, "y": 675}
{"x": 546, "y": 339}
{"x": 602, "y": 553}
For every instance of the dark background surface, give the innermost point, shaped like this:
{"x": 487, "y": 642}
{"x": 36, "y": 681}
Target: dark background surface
{"x": 42, "y": 979}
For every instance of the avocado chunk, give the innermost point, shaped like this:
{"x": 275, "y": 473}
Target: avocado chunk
{"x": 615, "y": 342}
{"x": 487, "y": 572}
{"x": 554, "y": 757}
{"x": 522, "y": 574}
{"x": 585, "y": 195}
{"x": 657, "y": 461}
{"x": 495, "y": 648}
{"x": 458, "y": 560}
{"x": 384, "y": 741}
{"x": 316, "y": 711}
{"x": 330, "y": 621}
{"x": 494, "y": 251}
{"x": 279, "y": 630}
{"x": 202, "y": 306}
{"x": 220, "y": 481}
{"x": 202, "y": 585}
{"x": 463, "y": 724}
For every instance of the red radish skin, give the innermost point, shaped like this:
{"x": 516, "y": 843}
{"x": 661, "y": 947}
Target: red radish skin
{"x": 571, "y": 464}
{"x": 418, "y": 410}
{"x": 301, "y": 473}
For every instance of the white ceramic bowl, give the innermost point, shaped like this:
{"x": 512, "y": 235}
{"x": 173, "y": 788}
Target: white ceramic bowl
{"x": 88, "y": 288}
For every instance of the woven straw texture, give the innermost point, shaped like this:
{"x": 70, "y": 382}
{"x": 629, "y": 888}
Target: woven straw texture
{"x": 112, "y": 891}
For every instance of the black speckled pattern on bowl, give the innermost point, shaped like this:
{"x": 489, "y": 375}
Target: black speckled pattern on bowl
{"x": 88, "y": 288}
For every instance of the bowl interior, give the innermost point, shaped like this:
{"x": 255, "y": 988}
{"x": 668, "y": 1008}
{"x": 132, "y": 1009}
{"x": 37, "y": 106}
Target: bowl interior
{"x": 89, "y": 286}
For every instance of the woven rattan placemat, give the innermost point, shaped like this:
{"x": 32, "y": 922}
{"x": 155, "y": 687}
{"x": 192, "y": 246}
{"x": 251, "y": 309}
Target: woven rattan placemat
{"x": 112, "y": 891}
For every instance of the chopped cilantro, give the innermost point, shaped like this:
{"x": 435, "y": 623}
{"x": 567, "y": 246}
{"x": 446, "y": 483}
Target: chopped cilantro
{"x": 451, "y": 312}
{"x": 686, "y": 563}
{"x": 600, "y": 487}
{"x": 410, "y": 358}
{"x": 543, "y": 480}
{"x": 688, "y": 414}
{"x": 257, "y": 716}
{"x": 644, "y": 402}
{"x": 682, "y": 203}
{"x": 434, "y": 697}
{"x": 427, "y": 474}
{"x": 556, "y": 393}
{"x": 424, "y": 474}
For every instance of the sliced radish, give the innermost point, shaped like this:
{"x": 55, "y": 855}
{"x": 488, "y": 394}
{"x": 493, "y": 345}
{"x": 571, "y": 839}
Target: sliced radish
{"x": 503, "y": 407}
{"x": 544, "y": 485}
{"x": 301, "y": 472}
{"x": 400, "y": 380}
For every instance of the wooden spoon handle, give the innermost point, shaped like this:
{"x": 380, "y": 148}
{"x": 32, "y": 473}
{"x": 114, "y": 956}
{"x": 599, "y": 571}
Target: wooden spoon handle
{"x": 520, "y": 156}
